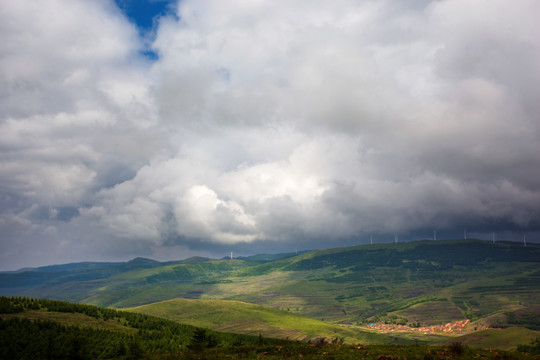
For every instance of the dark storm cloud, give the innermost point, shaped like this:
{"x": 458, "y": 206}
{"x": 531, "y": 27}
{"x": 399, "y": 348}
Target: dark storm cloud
{"x": 264, "y": 125}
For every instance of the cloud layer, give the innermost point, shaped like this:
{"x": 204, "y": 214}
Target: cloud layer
{"x": 264, "y": 125}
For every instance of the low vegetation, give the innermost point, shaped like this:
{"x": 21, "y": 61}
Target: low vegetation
{"x": 146, "y": 337}
{"x": 250, "y": 319}
{"x": 409, "y": 292}
{"x": 75, "y": 331}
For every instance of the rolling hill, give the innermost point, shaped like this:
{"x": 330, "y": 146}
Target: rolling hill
{"x": 48, "y": 329}
{"x": 425, "y": 283}
{"x": 244, "y": 318}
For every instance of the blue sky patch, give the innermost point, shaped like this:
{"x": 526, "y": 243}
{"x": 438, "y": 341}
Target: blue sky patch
{"x": 144, "y": 12}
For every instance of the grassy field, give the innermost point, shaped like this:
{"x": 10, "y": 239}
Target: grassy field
{"x": 250, "y": 319}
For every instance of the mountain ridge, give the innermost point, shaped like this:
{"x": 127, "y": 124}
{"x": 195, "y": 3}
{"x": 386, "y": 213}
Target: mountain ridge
{"x": 424, "y": 282}
{"x": 262, "y": 257}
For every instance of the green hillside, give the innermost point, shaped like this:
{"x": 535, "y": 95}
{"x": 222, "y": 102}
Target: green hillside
{"x": 250, "y": 319}
{"x": 423, "y": 283}
{"x": 48, "y": 329}
{"x": 45, "y": 329}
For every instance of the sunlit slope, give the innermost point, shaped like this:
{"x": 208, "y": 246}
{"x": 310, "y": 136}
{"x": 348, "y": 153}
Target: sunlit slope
{"x": 351, "y": 284}
{"x": 41, "y": 328}
{"x": 33, "y": 328}
{"x": 243, "y": 318}
{"x": 430, "y": 282}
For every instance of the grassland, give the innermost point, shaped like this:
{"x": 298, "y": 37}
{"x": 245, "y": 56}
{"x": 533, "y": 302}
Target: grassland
{"x": 250, "y": 319}
{"x": 44, "y": 329}
{"x": 425, "y": 282}
{"x": 47, "y": 329}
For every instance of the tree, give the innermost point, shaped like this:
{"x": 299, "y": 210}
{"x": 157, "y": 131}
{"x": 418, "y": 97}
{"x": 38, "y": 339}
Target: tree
{"x": 198, "y": 340}
{"x": 135, "y": 350}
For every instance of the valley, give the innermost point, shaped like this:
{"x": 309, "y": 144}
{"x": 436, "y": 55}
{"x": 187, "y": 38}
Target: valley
{"x": 378, "y": 294}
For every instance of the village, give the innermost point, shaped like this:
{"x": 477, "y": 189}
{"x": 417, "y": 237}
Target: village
{"x": 454, "y": 327}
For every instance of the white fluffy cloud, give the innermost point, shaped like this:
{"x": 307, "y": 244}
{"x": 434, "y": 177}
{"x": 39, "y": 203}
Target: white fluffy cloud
{"x": 263, "y": 122}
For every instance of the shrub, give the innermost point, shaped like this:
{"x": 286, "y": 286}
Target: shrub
{"x": 457, "y": 348}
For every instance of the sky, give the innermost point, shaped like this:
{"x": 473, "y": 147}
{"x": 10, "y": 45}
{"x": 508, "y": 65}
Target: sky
{"x": 167, "y": 130}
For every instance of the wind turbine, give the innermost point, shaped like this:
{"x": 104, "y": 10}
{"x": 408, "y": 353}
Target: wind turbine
{"x": 434, "y": 234}
{"x": 465, "y": 234}
{"x": 395, "y": 238}
{"x": 231, "y": 256}
{"x": 371, "y": 239}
